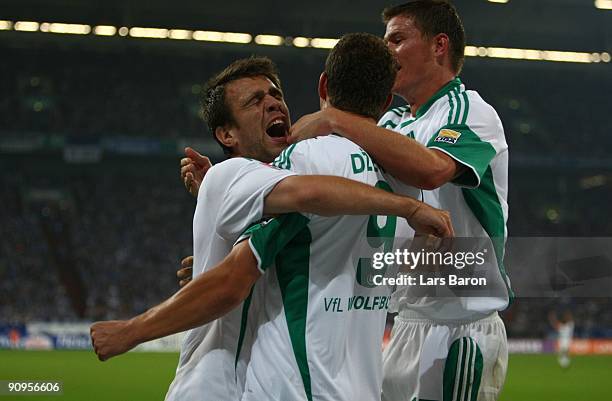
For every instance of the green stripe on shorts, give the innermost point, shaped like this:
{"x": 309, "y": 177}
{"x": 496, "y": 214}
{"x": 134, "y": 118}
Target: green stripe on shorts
{"x": 462, "y": 371}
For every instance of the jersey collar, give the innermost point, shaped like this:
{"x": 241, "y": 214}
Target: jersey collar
{"x": 454, "y": 83}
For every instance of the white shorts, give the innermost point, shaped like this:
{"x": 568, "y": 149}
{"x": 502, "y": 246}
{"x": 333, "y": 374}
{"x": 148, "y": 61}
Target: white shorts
{"x": 464, "y": 361}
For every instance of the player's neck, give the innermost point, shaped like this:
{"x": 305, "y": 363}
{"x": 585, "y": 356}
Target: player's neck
{"x": 419, "y": 95}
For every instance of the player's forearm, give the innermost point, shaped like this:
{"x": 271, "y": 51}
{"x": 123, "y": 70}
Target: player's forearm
{"x": 403, "y": 157}
{"x": 332, "y": 196}
{"x": 206, "y": 298}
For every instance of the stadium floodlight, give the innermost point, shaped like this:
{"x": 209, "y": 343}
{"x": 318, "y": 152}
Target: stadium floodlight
{"x": 74, "y": 29}
{"x": 208, "y": 36}
{"x": 229, "y": 37}
{"x": 603, "y": 4}
{"x": 569, "y": 57}
{"x": 154, "y": 33}
{"x": 179, "y": 34}
{"x": 26, "y": 26}
{"x": 301, "y": 41}
{"x": 232, "y": 37}
{"x": 470, "y": 51}
{"x": 531, "y": 54}
{"x": 105, "y": 30}
{"x": 269, "y": 40}
{"x": 502, "y": 52}
{"x": 323, "y": 43}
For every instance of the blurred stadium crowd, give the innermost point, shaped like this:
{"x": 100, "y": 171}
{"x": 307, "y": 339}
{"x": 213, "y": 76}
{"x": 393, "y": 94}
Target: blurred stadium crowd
{"x": 103, "y": 241}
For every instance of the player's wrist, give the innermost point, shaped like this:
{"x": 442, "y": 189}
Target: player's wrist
{"x": 135, "y": 332}
{"x": 410, "y": 207}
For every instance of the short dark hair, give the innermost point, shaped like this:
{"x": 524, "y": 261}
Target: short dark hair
{"x": 360, "y": 74}
{"x": 432, "y": 17}
{"x": 215, "y": 111}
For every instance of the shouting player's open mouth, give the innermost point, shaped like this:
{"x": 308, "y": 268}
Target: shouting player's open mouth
{"x": 278, "y": 129}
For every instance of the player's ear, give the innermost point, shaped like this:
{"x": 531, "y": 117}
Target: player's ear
{"x": 225, "y": 135}
{"x": 440, "y": 44}
{"x": 323, "y": 86}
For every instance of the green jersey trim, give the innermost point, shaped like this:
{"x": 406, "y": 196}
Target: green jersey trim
{"x": 292, "y": 270}
{"x": 396, "y": 112}
{"x": 284, "y": 159}
{"x": 467, "y": 107}
{"x": 484, "y": 204}
{"x": 243, "y": 323}
{"x": 399, "y": 111}
{"x": 407, "y": 123}
{"x": 267, "y": 239}
{"x": 463, "y": 145}
{"x": 388, "y": 124}
{"x": 451, "y": 85}
{"x": 451, "y": 111}
{"x": 285, "y": 241}
{"x": 459, "y": 108}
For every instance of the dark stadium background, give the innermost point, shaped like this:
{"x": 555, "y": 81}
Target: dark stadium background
{"x": 94, "y": 219}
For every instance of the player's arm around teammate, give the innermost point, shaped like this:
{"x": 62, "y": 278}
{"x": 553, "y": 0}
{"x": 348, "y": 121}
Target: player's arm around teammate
{"x": 219, "y": 290}
{"x": 321, "y": 195}
{"x": 425, "y": 168}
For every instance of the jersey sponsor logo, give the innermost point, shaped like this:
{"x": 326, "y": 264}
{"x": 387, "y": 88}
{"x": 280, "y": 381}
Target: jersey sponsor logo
{"x": 357, "y": 302}
{"x": 448, "y": 136}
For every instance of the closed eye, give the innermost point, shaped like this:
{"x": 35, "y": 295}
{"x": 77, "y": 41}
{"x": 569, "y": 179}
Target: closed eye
{"x": 394, "y": 38}
{"x": 254, "y": 99}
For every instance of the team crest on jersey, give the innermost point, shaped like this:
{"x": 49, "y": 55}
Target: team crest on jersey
{"x": 448, "y": 136}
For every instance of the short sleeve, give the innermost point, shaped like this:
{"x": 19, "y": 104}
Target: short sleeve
{"x": 473, "y": 139}
{"x": 268, "y": 238}
{"x": 467, "y": 148}
{"x": 243, "y": 186}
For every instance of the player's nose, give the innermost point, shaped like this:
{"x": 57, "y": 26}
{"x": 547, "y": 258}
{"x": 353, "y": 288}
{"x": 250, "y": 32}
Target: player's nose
{"x": 273, "y": 104}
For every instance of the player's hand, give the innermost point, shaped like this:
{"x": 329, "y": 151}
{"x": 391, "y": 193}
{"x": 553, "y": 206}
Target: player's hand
{"x": 185, "y": 273}
{"x": 193, "y": 170}
{"x": 110, "y": 338}
{"x": 428, "y": 220}
{"x": 312, "y": 125}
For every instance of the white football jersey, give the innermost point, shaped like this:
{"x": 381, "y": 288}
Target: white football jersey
{"x": 462, "y": 125}
{"x": 322, "y": 319}
{"x": 231, "y": 198}
{"x": 566, "y": 331}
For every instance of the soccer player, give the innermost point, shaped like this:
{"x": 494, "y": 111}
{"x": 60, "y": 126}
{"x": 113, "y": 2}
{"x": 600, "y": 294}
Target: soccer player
{"x": 450, "y": 143}
{"x": 245, "y": 109}
{"x": 565, "y": 332}
{"x": 321, "y": 317}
